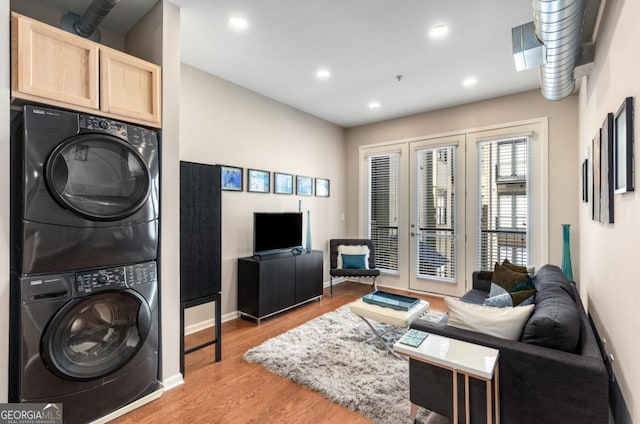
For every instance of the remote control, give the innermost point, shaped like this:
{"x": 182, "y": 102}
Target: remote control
{"x": 413, "y": 337}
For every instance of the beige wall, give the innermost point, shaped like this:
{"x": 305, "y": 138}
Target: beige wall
{"x": 222, "y": 123}
{"x": 156, "y": 38}
{"x": 609, "y": 252}
{"x": 170, "y": 196}
{"x": 4, "y": 199}
{"x": 563, "y": 179}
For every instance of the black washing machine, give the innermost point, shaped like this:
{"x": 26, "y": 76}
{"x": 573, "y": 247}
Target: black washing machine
{"x": 85, "y": 192}
{"x": 86, "y": 339}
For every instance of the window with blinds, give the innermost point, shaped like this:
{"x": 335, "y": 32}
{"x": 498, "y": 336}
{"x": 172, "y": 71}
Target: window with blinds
{"x": 503, "y": 201}
{"x": 435, "y": 235}
{"x": 384, "y": 209}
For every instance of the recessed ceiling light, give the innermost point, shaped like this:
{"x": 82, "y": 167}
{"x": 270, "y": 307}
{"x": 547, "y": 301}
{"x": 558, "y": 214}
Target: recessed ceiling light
{"x": 238, "y": 23}
{"x": 438, "y": 31}
{"x": 374, "y": 105}
{"x": 323, "y": 74}
{"x": 470, "y": 81}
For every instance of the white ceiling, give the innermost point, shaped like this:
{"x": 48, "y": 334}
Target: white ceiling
{"x": 364, "y": 43}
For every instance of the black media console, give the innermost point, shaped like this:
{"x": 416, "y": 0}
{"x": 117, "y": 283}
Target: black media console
{"x": 274, "y": 283}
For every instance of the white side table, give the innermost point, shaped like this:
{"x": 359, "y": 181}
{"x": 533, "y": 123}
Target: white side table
{"x": 460, "y": 357}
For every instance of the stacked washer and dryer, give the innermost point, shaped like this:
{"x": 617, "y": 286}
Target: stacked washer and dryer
{"x": 84, "y": 293}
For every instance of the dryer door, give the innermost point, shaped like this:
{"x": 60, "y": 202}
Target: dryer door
{"x": 96, "y": 335}
{"x": 98, "y": 176}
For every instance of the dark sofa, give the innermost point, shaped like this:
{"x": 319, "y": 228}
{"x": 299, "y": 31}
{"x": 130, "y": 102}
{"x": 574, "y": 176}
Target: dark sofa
{"x": 538, "y": 384}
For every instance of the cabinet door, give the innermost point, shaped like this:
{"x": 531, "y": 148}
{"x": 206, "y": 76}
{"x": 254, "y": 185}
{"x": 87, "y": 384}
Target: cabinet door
{"x": 129, "y": 86}
{"x": 308, "y": 276}
{"x": 49, "y": 63}
{"x": 277, "y": 284}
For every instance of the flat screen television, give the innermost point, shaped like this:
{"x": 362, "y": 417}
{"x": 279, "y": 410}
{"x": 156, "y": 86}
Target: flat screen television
{"x": 275, "y": 232}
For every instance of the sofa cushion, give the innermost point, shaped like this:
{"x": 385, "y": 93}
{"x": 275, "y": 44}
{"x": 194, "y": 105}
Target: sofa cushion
{"x": 552, "y": 276}
{"x": 555, "y": 322}
{"x": 506, "y": 323}
{"x": 475, "y": 296}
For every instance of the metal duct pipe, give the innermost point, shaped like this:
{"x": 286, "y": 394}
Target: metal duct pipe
{"x": 92, "y": 17}
{"x": 558, "y": 26}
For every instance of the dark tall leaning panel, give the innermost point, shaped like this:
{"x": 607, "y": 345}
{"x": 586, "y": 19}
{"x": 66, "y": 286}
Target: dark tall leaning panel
{"x": 199, "y": 230}
{"x": 200, "y": 243}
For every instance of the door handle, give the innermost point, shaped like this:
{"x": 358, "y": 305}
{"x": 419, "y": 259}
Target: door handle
{"x": 413, "y": 234}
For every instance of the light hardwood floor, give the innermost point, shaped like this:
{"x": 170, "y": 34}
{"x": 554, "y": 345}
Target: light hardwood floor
{"x": 235, "y": 391}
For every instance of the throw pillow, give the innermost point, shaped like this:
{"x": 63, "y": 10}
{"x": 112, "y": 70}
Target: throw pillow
{"x": 530, "y": 269}
{"x": 513, "y": 267}
{"x": 507, "y": 300}
{"x": 353, "y": 261}
{"x": 504, "y": 280}
{"x": 353, "y": 250}
{"x": 505, "y": 323}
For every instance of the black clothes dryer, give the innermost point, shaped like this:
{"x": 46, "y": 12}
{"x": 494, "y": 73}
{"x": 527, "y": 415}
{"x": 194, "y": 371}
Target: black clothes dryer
{"x": 85, "y": 192}
{"x": 87, "y": 339}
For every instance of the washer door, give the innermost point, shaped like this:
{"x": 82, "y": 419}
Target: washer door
{"x": 96, "y": 335}
{"x": 98, "y": 176}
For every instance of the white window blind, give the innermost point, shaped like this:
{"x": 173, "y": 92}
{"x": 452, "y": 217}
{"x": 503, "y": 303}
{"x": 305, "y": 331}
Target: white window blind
{"x": 503, "y": 201}
{"x": 384, "y": 209}
{"x": 436, "y": 202}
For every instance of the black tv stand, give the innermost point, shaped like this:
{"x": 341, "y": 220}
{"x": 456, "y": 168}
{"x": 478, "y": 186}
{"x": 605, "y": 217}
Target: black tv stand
{"x": 275, "y": 283}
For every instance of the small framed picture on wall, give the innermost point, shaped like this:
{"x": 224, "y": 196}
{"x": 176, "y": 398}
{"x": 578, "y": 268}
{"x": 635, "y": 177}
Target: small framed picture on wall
{"x": 304, "y": 185}
{"x": 258, "y": 181}
{"x": 585, "y": 180}
{"x": 231, "y": 178}
{"x": 282, "y": 183}
{"x": 322, "y": 187}
{"x": 623, "y": 148}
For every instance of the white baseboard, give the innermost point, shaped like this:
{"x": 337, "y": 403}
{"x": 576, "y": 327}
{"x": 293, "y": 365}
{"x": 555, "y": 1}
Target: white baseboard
{"x": 203, "y": 325}
{"x": 130, "y": 407}
{"x": 173, "y": 381}
{"x": 336, "y": 281}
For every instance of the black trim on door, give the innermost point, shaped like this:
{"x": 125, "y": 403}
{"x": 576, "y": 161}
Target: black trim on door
{"x": 98, "y": 177}
{"x": 96, "y": 335}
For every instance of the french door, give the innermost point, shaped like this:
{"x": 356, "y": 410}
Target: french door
{"x": 439, "y": 208}
{"x": 436, "y": 215}
{"x": 414, "y": 213}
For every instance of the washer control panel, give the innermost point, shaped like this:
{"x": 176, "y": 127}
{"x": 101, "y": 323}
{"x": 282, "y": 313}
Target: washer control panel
{"x": 140, "y": 274}
{"x": 101, "y": 279}
{"x": 115, "y": 278}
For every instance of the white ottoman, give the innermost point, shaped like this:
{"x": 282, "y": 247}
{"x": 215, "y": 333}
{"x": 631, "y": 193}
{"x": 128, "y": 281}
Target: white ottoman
{"x": 401, "y": 319}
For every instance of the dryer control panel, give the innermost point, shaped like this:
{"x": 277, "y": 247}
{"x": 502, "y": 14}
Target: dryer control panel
{"x": 136, "y": 136}
{"x": 115, "y": 278}
{"x": 103, "y": 125}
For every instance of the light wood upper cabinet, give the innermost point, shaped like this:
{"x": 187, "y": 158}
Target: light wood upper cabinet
{"x": 52, "y": 66}
{"x": 129, "y": 86}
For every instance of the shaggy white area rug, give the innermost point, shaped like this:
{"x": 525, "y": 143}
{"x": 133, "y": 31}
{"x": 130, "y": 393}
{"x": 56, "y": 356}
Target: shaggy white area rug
{"x": 331, "y": 354}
